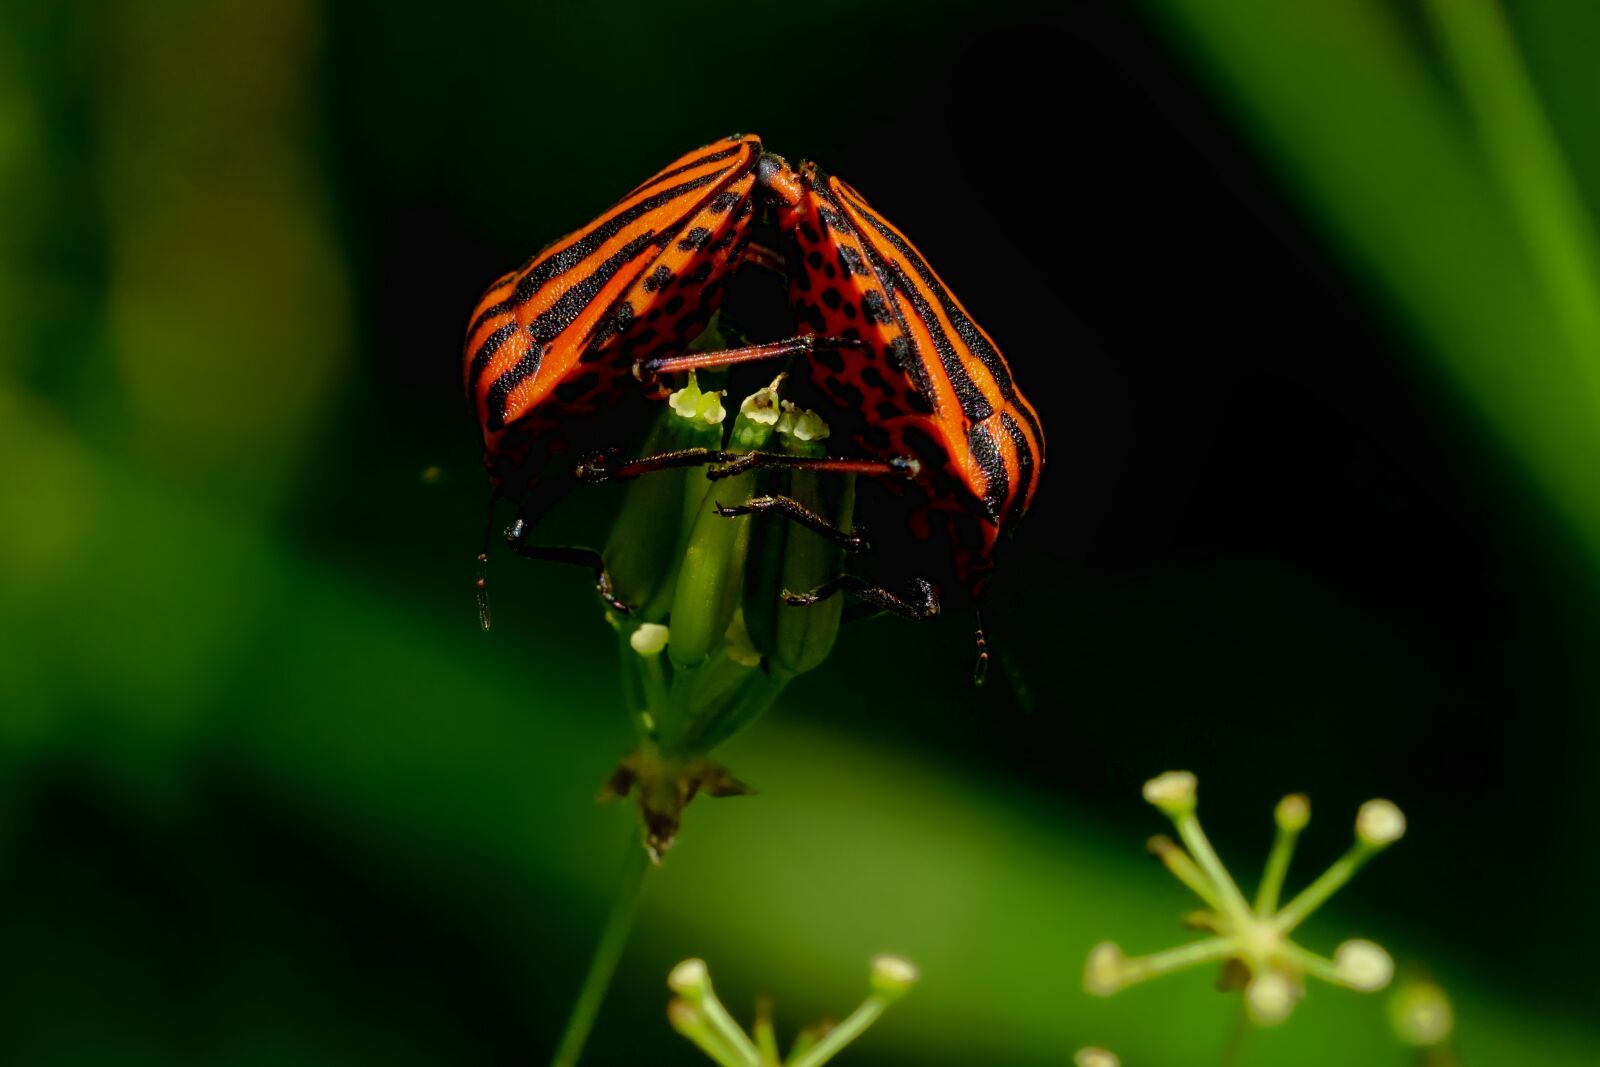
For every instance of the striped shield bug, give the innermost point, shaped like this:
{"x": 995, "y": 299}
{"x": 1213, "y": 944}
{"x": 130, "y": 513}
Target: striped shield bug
{"x": 550, "y": 345}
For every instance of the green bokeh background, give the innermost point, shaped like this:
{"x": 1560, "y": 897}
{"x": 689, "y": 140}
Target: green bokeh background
{"x": 266, "y": 794}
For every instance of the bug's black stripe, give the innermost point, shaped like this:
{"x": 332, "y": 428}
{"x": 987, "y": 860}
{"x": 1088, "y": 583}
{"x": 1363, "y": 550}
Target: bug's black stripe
{"x": 965, "y": 328}
{"x": 997, "y": 481}
{"x": 1026, "y": 411}
{"x": 710, "y": 157}
{"x": 500, "y": 391}
{"x": 560, "y": 315}
{"x": 1024, "y": 466}
{"x": 486, "y": 351}
{"x": 569, "y": 305}
{"x": 974, "y": 405}
{"x": 580, "y": 250}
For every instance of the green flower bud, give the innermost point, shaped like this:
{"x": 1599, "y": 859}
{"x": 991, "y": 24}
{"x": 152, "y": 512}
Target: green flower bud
{"x": 1270, "y": 998}
{"x": 1172, "y": 792}
{"x": 1103, "y": 973}
{"x": 1364, "y": 966}
{"x": 1421, "y": 1014}
{"x": 892, "y": 976}
{"x": 1293, "y": 813}
{"x": 1379, "y": 824}
{"x": 1095, "y": 1057}
{"x": 691, "y": 980}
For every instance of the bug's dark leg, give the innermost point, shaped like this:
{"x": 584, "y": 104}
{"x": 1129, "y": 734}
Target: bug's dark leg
{"x": 922, "y": 604}
{"x": 649, "y": 370}
{"x": 516, "y": 537}
{"x": 791, "y": 509}
{"x": 906, "y": 467}
{"x": 598, "y": 468}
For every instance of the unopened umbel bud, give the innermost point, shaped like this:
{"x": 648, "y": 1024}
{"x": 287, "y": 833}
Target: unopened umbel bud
{"x": 1364, "y": 966}
{"x": 892, "y": 976}
{"x": 1173, "y": 792}
{"x": 1270, "y": 998}
{"x": 1095, "y": 1057}
{"x": 1102, "y": 974}
{"x": 690, "y": 980}
{"x": 1293, "y": 812}
{"x": 1421, "y": 1014}
{"x": 1380, "y": 823}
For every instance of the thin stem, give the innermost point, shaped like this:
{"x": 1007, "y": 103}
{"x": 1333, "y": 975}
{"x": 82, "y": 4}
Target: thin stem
{"x": 1200, "y": 848}
{"x": 730, "y": 1032}
{"x": 1238, "y": 1031}
{"x": 766, "y": 1037}
{"x": 697, "y": 1029}
{"x": 1212, "y": 948}
{"x": 1314, "y": 895}
{"x": 1315, "y": 965}
{"x": 1183, "y": 869}
{"x": 613, "y": 939}
{"x": 836, "y": 1039}
{"x": 1277, "y": 869}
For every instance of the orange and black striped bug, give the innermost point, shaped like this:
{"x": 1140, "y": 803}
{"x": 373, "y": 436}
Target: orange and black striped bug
{"x": 550, "y": 345}
{"x": 913, "y": 381}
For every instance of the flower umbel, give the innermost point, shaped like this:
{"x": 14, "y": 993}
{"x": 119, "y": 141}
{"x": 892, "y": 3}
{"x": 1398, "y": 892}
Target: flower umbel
{"x": 1252, "y": 939}
{"x": 698, "y": 1015}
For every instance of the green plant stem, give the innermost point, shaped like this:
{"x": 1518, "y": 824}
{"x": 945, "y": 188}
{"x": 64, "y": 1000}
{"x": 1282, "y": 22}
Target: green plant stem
{"x": 1277, "y": 868}
{"x": 613, "y": 939}
{"x": 836, "y": 1039}
{"x": 1238, "y": 1031}
{"x": 1199, "y": 846}
{"x": 1139, "y": 968}
{"x": 1314, "y": 895}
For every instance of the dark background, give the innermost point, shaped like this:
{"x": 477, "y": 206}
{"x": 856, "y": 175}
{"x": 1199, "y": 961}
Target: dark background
{"x": 269, "y": 794}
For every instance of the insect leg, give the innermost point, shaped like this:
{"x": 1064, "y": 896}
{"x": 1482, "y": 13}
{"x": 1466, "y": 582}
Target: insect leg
{"x": 597, "y": 468}
{"x": 516, "y": 537}
{"x": 649, "y": 370}
{"x": 905, "y": 467}
{"x": 924, "y": 603}
{"x": 791, "y": 509}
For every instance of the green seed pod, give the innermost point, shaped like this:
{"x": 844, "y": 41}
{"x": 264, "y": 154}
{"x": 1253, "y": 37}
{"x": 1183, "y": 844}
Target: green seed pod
{"x": 805, "y": 635}
{"x": 642, "y": 552}
{"x": 712, "y": 572}
{"x": 763, "y": 581}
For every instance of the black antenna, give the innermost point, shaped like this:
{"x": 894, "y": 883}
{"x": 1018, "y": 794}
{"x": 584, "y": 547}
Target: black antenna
{"x": 482, "y": 583}
{"x": 980, "y": 669}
